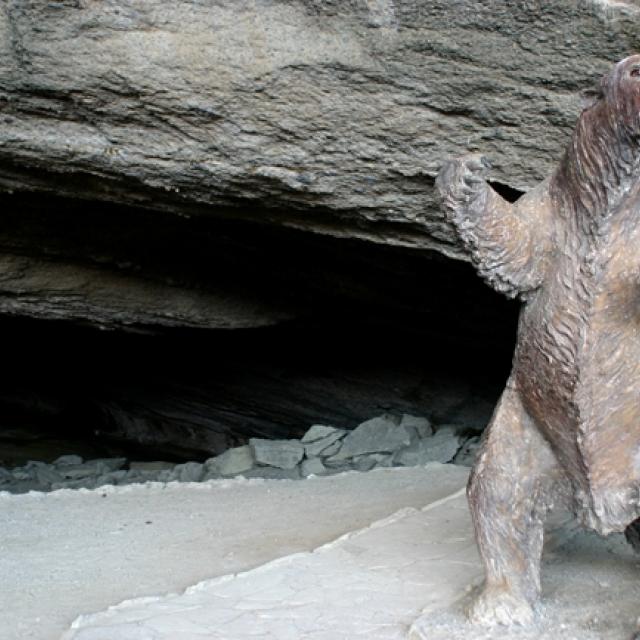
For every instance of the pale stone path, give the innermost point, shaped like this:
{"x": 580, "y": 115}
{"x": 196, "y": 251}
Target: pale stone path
{"x": 71, "y": 552}
{"x": 337, "y": 558}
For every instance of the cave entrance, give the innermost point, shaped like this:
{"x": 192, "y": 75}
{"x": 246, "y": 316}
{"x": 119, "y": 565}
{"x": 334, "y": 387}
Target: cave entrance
{"x": 290, "y": 329}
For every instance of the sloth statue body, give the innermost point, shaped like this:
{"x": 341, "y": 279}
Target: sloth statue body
{"x": 567, "y": 427}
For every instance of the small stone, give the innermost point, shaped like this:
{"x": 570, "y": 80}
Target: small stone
{"x": 166, "y": 475}
{"x": 312, "y": 467}
{"x": 323, "y": 446}
{"x": 232, "y": 462}
{"x": 68, "y": 459}
{"x": 189, "y": 472}
{"x": 418, "y": 425}
{"x": 371, "y": 460}
{"x": 48, "y": 474}
{"x": 94, "y": 468}
{"x": 155, "y": 465}
{"x": 273, "y": 473}
{"x": 441, "y": 447}
{"x": 318, "y": 432}
{"x": 24, "y": 486}
{"x": 113, "y": 478}
{"x": 32, "y": 465}
{"x": 364, "y": 463}
{"x": 77, "y": 471}
{"x": 337, "y": 465}
{"x": 83, "y": 483}
{"x": 283, "y": 454}
{"x": 378, "y": 435}
{"x": 106, "y": 465}
{"x": 22, "y": 473}
{"x": 332, "y": 449}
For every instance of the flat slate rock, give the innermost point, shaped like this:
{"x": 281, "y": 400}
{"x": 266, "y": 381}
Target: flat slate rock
{"x": 312, "y": 467}
{"x": 282, "y": 454}
{"x": 318, "y": 432}
{"x": 232, "y": 462}
{"x": 273, "y": 473}
{"x": 383, "y": 434}
{"x": 441, "y": 447}
{"x": 328, "y": 445}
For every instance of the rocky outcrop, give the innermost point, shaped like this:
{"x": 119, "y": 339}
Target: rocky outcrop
{"x": 331, "y": 117}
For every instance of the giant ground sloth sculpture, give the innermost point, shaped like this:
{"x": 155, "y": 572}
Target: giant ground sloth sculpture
{"x": 567, "y": 426}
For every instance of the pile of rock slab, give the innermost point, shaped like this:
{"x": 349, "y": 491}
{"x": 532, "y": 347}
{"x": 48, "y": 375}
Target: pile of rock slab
{"x": 383, "y": 441}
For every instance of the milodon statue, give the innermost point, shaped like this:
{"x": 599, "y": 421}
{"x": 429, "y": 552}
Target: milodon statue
{"x": 567, "y": 426}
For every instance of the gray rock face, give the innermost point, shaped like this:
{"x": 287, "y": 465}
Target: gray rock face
{"x": 283, "y": 454}
{"x": 334, "y": 119}
{"x": 378, "y": 435}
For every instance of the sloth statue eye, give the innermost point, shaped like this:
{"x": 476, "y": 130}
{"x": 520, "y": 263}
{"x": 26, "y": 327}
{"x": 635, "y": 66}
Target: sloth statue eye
{"x": 635, "y": 72}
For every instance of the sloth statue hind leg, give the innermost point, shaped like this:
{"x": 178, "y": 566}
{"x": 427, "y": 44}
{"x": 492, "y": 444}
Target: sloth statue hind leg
{"x": 510, "y": 491}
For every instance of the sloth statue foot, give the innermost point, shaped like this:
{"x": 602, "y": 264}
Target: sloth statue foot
{"x": 499, "y": 605}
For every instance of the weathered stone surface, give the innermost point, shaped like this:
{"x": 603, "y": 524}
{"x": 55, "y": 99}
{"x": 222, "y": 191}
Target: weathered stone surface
{"x": 332, "y": 117}
{"x": 378, "y": 435}
{"x": 231, "y": 462}
{"x": 283, "y": 454}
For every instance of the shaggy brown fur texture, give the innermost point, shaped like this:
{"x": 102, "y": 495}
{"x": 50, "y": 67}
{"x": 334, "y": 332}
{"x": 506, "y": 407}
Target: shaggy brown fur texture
{"x": 567, "y": 428}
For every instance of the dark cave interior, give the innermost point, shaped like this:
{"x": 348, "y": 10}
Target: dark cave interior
{"x": 368, "y": 329}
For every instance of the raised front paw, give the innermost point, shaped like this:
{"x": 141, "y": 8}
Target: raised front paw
{"x": 462, "y": 180}
{"x": 499, "y": 605}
